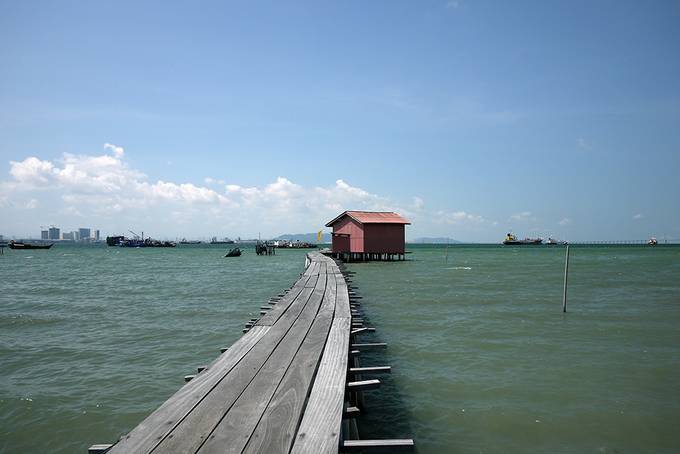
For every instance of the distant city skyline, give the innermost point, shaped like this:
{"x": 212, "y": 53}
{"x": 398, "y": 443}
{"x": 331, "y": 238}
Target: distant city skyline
{"x": 471, "y": 119}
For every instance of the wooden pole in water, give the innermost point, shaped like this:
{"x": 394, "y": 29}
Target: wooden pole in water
{"x": 566, "y": 274}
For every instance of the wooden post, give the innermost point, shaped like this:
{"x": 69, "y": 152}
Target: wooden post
{"x": 566, "y": 274}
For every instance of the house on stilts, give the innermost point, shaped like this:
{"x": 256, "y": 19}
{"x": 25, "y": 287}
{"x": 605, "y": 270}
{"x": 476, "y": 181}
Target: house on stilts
{"x": 369, "y": 235}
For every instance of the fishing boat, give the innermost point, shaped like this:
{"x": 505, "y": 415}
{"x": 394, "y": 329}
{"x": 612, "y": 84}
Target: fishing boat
{"x": 235, "y": 252}
{"x": 511, "y": 240}
{"x": 17, "y": 245}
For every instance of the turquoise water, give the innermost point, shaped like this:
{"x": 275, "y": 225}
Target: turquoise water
{"x": 92, "y": 339}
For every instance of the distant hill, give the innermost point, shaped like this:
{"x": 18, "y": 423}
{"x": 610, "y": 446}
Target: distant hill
{"x": 308, "y": 237}
{"x": 326, "y": 238}
{"x": 435, "y": 240}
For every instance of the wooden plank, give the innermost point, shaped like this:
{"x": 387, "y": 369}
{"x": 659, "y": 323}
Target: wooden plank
{"x": 386, "y": 446}
{"x": 282, "y": 306}
{"x": 145, "y": 436}
{"x": 351, "y": 412}
{"x": 319, "y": 431}
{"x": 370, "y": 345}
{"x": 312, "y": 269}
{"x": 342, "y": 301}
{"x": 200, "y": 423}
{"x": 371, "y": 370}
{"x": 275, "y": 432}
{"x": 363, "y": 385}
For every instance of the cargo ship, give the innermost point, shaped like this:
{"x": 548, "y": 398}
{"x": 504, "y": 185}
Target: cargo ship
{"x": 214, "y": 240}
{"x": 511, "y": 240}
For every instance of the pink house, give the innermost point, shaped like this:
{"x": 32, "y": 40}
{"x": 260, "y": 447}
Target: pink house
{"x": 369, "y": 235}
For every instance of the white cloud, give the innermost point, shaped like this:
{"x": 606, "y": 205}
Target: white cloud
{"x": 523, "y": 216}
{"x": 117, "y": 151}
{"x": 32, "y": 204}
{"x": 637, "y": 216}
{"x": 418, "y": 203}
{"x": 105, "y": 187}
{"x": 211, "y": 181}
{"x": 459, "y": 217}
{"x": 584, "y": 144}
{"x": 31, "y": 171}
{"x": 565, "y": 221}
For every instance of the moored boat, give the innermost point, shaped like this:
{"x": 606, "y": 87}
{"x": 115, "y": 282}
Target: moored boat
{"x": 19, "y": 245}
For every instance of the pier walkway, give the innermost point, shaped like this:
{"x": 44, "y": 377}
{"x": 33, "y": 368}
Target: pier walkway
{"x": 281, "y": 388}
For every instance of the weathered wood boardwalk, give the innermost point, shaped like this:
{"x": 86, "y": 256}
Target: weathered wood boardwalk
{"x": 282, "y": 387}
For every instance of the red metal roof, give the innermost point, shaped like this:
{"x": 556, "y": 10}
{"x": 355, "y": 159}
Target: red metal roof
{"x": 372, "y": 217}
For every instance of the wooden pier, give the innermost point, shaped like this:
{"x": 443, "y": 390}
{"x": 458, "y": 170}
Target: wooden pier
{"x": 291, "y": 384}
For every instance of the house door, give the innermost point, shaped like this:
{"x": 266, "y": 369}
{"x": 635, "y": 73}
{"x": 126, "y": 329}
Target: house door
{"x": 341, "y": 242}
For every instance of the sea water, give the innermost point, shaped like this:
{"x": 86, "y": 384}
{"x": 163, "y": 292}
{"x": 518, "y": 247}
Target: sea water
{"x": 92, "y": 339}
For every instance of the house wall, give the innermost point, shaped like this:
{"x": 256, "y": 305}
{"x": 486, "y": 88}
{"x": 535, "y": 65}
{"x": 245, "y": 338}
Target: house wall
{"x": 350, "y": 227}
{"x": 384, "y": 238}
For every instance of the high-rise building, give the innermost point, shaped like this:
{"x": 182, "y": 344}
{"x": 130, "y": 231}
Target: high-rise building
{"x": 54, "y": 233}
{"x": 44, "y": 235}
{"x": 96, "y": 235}
{"x": 84, "y": 234}
{"x": 69, "y": 236}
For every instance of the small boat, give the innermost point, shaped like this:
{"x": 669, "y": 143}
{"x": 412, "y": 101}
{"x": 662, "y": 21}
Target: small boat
{"x": 512, "y": 240}
{"x": 652, "y": 242}
{"x": 17, "y": 245}
{"x": 554, "y": 242}
{"x": 236, "y": 252}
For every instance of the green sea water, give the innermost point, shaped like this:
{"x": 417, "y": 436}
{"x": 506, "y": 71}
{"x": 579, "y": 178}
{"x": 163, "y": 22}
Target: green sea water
{"x": 92, "y": 339}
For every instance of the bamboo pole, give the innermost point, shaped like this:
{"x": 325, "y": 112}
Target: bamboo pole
{"x": 566, "y": 274}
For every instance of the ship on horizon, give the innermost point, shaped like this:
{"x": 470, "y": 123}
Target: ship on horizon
{"x": 137, "y": 241}
{"x": 214, "y": 240}
{"x": 511, "y": 240}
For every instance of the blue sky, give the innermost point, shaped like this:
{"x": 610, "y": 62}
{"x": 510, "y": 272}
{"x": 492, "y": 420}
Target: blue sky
{"x": 472, "y": 118}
